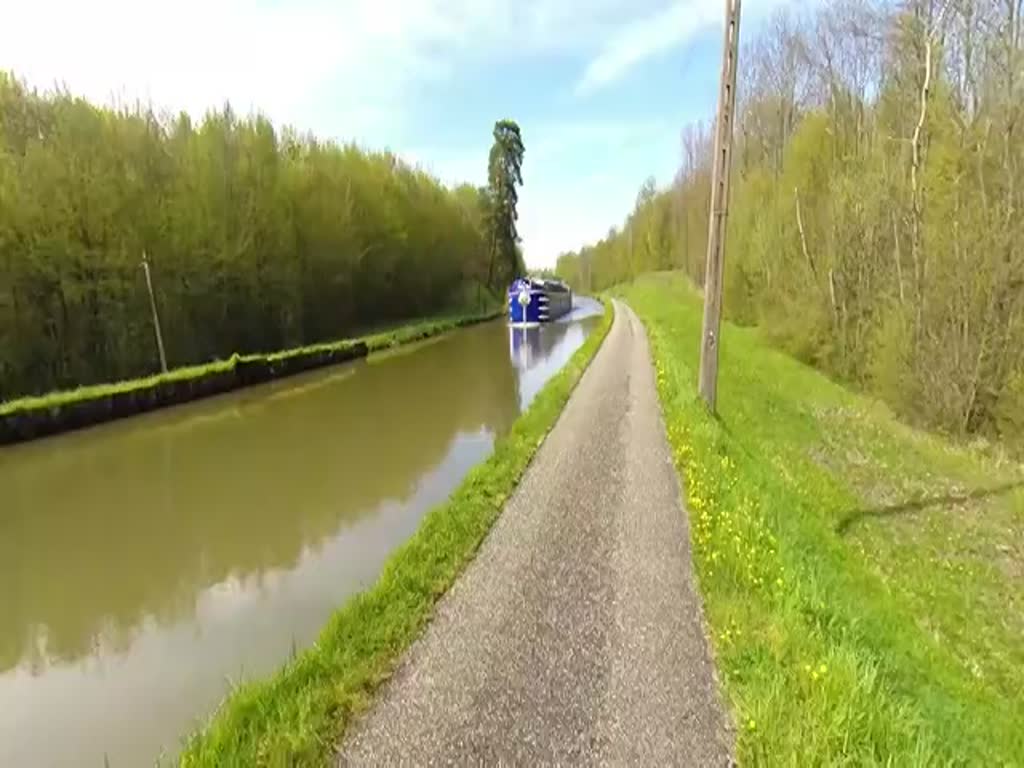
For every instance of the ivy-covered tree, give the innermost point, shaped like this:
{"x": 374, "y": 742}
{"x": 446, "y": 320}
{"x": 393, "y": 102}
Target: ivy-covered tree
{"x": 504, "y": 174}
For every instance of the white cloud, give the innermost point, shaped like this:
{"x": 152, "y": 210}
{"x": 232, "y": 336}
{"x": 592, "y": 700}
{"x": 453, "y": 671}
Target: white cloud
{"x": 287, "y": 59}
{"x": 294, "y": 61}
{"x": 556, "y": 218}
{"x": 647, "y": 36}
{"x": 600, "y": 165}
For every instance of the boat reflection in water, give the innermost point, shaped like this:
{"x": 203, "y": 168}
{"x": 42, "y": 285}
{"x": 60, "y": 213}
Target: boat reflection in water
{"x": 531, "y": 345}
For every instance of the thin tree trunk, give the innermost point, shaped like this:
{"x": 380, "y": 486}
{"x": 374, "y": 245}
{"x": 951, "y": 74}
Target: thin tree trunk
{"x": 803, "y": 237}
{"x": 916, "y": 247}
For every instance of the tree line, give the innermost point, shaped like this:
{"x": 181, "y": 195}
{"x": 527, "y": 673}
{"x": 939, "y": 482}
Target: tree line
{"x": 876, "y": 226}
{"x": 258, "y": 239}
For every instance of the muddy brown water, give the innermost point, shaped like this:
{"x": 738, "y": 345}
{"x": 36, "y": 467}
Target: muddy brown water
{"x": 146, "y": 564}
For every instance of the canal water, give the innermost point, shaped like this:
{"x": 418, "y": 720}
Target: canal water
{"x": 146, "y": 565}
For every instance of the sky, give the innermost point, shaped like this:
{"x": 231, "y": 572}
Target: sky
{"x": 600, "y": 88}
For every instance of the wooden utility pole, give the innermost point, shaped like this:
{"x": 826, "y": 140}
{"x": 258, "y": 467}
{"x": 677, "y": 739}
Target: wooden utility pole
{"x": 156, "y": 317}
{"x": 719, "y": 208}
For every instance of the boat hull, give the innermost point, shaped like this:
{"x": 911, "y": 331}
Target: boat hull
{"x": 531, "y": 302}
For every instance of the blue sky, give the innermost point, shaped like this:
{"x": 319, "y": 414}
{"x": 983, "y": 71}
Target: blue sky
{"x": 600, "y": 88}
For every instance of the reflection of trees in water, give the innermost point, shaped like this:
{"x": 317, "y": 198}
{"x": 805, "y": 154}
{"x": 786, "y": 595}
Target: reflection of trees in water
{"x": 113, "y": 525}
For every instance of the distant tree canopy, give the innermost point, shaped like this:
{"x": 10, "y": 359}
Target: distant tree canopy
{"x": 877, "y": 221}
{"x": 259, "y": 239}
{"x": 504, "y": 174}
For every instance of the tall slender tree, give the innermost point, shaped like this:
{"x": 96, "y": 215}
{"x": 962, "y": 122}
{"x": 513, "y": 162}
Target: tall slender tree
{"x": 504, "y": 174}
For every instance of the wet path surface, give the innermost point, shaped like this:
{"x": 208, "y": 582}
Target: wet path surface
{"x": 145, "y": 563}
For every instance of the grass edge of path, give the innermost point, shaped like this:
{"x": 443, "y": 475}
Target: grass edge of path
{"x": 297, "y": 716}
{"x": 821, "y": 660}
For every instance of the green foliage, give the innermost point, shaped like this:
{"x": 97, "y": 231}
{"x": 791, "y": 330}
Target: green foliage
{"x": 259, "y": 239}
{"x": 862, "y": 581}
{"x": 907, "y": 281}
{"x": 504, "y": 174}
{"x": 296, "y": 717}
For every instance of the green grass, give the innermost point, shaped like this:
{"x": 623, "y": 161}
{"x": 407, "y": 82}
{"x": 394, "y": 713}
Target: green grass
{"x": 424, "y": 330}
{"x": 862, "y": 581}
{"x": 297, "y": 716}
{"x": 376, "y": 341}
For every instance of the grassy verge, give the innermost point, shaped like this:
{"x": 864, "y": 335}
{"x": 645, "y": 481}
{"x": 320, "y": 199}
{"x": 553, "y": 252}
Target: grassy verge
{"x": 296, "y": 717}
{"x": 407, "y": 334}
{"x": 31, "y": 417}
{"x": 863, "y": 581}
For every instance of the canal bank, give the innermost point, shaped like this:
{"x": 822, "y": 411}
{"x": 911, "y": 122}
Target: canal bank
{"x": 149, "y": 564}
{"x": 296, "y": 717}
{"x": 30, "y": 418}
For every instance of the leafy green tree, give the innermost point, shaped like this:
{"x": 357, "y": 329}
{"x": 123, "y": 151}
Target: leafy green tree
{"x": 876, "y": 225}
{"x": 259, "y": 238}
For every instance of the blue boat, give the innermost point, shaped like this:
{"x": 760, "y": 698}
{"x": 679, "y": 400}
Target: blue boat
{"x": 537, "y": 300}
